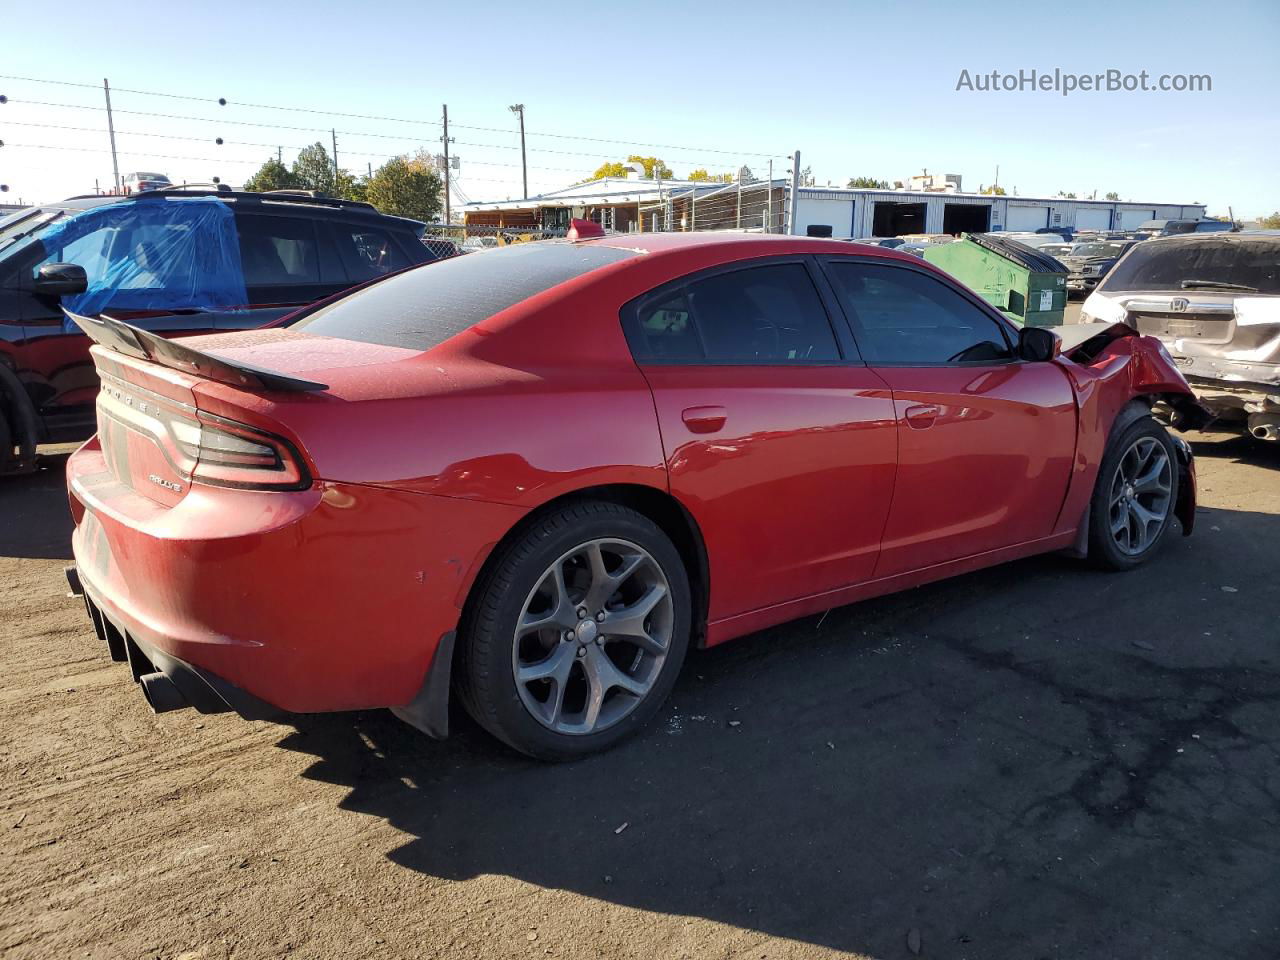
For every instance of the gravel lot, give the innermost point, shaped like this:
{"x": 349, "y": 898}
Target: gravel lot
{"x": 1037, "y": 761}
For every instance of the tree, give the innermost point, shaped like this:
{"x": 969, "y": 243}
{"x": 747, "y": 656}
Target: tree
{"x": 806, "y": 177}
{"x": 313, "y": 170}
{"x": 350, "y": 187}
{"x": 995, "y": 190}
{"x": 1113, "y": 195}
{"x": 407, "y": 187}
{"x": 615, "y": 169}
{"x": 1270, "y": 223}
{"x": 654, "y": 169}
{"x": 701, "y": 176}
{"x": 867, "y": 183}
{"x": 272, "y": 175}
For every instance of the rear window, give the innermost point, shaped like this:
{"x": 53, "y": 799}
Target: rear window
{"x": 1159, "y": 266}
{"x": 425, "y": 307}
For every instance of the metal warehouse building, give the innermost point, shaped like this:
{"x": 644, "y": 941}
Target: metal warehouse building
{"x": 627, "y": 205}
{"x": 887, "y": 213}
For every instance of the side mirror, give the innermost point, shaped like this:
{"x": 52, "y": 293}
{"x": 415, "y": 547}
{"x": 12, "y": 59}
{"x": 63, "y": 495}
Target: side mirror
{"x": 61, "y": 279}
{"x": 1038, "y": 344}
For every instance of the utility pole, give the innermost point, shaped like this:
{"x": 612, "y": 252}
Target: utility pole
{"x": 739, "y": 215}
{"x": 280, "y": 155}
{"x": 334, "y": 134}
{"x": 795, "y": 189}
{"x": 524, "y": 167}
{"x": 111, "y": 132}
{"x": 693, "y": 208}
{"x": 448, "y": 216}
{"x": 768, "y": 224}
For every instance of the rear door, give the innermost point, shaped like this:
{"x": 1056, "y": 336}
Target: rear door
{"x": 985, "y": 441}
{"x": 777, "y": 437}
{"x": 288, "y": 262}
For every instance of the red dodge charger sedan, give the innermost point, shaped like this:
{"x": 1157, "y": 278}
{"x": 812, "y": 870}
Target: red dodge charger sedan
{"x": 533, "y": 476}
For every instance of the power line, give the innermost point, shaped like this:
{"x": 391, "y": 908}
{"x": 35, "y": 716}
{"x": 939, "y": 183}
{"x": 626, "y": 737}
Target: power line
{"x": 222, "y": 101}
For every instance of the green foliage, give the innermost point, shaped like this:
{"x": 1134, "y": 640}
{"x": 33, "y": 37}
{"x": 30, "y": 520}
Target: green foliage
{"x": 867, "y": 183}
{"x": 993, "y": 191}
{"x": 407, "y": 187}
{"x": 1113, "y": 195}
{"x": 272, "y": 175}
{"x": 350, "y": 187}
{"x": 1270, "y": 223}
{"x": 1066, "y": 196}
{"x": 313, "y": 170}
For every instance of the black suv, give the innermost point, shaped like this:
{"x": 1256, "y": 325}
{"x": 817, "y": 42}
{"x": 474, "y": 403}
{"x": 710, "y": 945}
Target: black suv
{"x": 174, "y": 261}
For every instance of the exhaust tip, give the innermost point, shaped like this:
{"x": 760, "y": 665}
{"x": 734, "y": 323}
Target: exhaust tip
{"x": 162, "y": 693}
{"x": 1266, "y": 431}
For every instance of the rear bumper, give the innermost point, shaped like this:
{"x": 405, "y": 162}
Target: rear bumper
{"x": 332, "y": 598}
{"x": 167, "y": 682}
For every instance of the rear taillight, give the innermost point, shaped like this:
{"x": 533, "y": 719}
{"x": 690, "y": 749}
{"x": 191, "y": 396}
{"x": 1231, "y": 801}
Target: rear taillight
{"x": 230, "y": 454}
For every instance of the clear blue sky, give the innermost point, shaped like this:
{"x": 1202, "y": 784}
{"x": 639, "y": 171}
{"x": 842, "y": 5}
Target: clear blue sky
{"x": 859, "y": 88}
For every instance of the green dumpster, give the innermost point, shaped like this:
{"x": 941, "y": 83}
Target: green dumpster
{"x": 1028, "y": 286}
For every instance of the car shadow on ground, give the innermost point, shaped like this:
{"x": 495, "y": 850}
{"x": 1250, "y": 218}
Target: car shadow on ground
{"x": 1034, "y": 760}
{"x": 35, "y": 520}
{"x": 1232, "y": 443}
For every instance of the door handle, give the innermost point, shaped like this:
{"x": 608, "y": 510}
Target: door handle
{"x": 703, "y": 419}
{"x": 921, "y": 417}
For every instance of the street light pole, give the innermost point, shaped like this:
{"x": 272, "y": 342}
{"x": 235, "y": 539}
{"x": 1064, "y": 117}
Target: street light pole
{"x": 524, "y": 169}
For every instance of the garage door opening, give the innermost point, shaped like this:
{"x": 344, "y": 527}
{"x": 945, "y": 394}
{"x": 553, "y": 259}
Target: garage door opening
{"x": 960, "y": 218}
{"x": 895, "y": 219}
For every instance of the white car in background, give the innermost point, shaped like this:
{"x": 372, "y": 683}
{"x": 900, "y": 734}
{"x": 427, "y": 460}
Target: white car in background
{"x": 1213, "y": 300}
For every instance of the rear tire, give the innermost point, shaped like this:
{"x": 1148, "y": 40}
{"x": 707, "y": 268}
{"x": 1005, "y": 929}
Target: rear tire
{"x": 1134, "y": 496}
{"x": 574, "y": 637}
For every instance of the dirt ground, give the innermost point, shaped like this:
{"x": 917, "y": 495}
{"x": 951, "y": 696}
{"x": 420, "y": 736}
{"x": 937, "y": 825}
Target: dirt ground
{"x": 1036, "y": 761}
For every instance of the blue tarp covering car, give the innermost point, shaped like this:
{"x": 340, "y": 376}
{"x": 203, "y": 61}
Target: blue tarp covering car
{"x": 153, "y": 254}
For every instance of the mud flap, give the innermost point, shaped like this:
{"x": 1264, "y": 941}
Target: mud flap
{"x": 1185, "y": 506}
{"x": 428, "y": 711}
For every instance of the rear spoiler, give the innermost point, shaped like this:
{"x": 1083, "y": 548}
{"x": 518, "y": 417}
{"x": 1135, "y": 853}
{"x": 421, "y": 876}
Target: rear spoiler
{"x": 141, "y": 345}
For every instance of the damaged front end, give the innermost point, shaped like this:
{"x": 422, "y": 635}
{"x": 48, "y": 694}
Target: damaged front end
{"x": 1119, "y": 376}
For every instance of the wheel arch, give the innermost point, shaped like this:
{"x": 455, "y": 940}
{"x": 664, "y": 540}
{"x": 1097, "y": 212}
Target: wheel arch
{"x": 657, "y": 505}
{"x": 24, "y": 424}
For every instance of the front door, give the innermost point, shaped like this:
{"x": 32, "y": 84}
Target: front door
{"x": 777, "y": 438}
{"x": 985, "y": 441}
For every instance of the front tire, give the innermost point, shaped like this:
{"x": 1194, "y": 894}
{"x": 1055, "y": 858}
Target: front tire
{"x": 1134, "y": 496}
{"x": 576, "y": 633}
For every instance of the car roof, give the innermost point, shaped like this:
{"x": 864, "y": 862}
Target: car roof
{"x": 770, "y": 244}
{"x": 1217, "y": 236}
{"x": 272, "y": 201}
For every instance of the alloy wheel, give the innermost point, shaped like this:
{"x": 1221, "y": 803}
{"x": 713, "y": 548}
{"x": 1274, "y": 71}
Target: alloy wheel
{"x": 592, "y": 637}
{"x": 1140, "y": 495}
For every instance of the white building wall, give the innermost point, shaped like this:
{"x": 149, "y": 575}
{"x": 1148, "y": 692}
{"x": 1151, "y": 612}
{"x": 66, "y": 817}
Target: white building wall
{"x": 837, "y": 212}
{"x": 852, "y": 214}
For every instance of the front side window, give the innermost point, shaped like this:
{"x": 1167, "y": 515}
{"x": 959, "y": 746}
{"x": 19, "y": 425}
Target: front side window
{"x": 902, "y": 316}
{"x": 762, "y": 314}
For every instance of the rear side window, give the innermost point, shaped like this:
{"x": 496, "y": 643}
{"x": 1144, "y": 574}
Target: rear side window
{"x": 902, "y": 316}
{"x": 1189, "y": 264}
{"x": 426, "y": 306}
{"x": 763, "y": 314}
{"x": 368, "y": 252}
{"x": 278, "y": 251}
